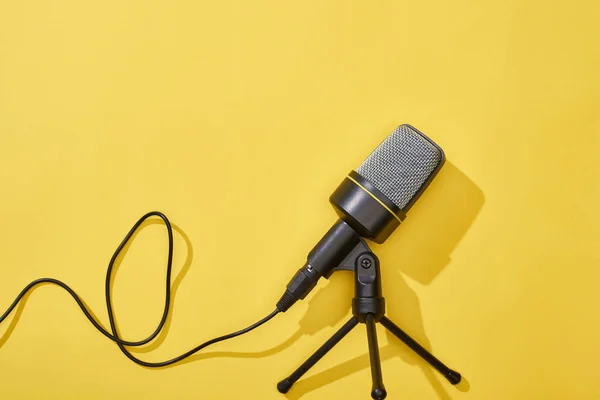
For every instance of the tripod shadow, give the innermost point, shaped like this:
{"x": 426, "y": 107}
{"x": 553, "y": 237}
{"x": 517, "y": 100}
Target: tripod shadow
{"x": 421, "y": 248}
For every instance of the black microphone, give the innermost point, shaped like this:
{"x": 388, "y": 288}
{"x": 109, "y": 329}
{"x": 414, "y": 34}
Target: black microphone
{"x": 371, "y": 202}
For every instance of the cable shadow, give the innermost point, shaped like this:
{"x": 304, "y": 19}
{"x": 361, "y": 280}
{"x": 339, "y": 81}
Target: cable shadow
{"x": 161, "y": 337}
{"x": 232, "y": 354}
{"x": 420, "y": 249}
{"x": 175, "y": 283}
{"x": 174, "y": 286}
{"x": 17, "y": 316}
{"x": 338, "y": 287}
{"x": 159, "y": 340}
{"x": 18, "y": 312}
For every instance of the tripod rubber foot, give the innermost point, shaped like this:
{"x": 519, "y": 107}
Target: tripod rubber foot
{"x": 453, "y": 377}
{"x": 379, "y": 394}
{"x": 284, "y": 386}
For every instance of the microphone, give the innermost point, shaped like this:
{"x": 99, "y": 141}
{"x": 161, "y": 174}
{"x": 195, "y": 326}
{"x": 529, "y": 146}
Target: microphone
{"x": 371, "y": 202}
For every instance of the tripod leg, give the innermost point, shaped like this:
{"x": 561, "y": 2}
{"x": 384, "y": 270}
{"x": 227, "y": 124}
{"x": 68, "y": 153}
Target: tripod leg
{"x": 452, "y": 376}
{"x": 285, "y": 385}
{"x": 378, "y": 391}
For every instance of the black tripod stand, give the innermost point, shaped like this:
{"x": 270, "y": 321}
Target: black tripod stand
{"x": 368, "y": 307}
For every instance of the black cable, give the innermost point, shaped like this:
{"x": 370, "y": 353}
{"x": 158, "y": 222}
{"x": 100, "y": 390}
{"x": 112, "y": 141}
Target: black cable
{"x": 115, "y": 334}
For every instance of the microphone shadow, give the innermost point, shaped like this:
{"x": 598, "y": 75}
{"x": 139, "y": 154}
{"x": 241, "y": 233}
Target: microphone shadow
{"x": 420, "y": 249}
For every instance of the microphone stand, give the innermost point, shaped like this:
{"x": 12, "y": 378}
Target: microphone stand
{"x": 368, "y": 307}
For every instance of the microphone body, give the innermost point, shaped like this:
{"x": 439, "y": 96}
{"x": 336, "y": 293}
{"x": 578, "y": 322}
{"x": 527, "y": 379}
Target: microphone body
{"x": 371, "y": 202}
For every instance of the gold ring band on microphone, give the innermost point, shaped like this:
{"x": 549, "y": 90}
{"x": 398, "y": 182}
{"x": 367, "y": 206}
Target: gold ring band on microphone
{"x": 375, "y": 197}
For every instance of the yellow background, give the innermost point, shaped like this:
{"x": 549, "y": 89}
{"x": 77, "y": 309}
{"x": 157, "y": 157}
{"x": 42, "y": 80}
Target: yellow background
{"x": 238, "y": 119}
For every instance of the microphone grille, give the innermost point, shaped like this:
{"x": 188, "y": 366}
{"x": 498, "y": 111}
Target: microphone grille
{"x": 402, "y": 165}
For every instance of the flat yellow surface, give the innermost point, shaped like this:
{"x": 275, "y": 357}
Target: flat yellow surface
{"x": 238, "y": 119}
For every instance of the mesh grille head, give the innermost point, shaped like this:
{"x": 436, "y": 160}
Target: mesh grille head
{"x": 402, "y": 164}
